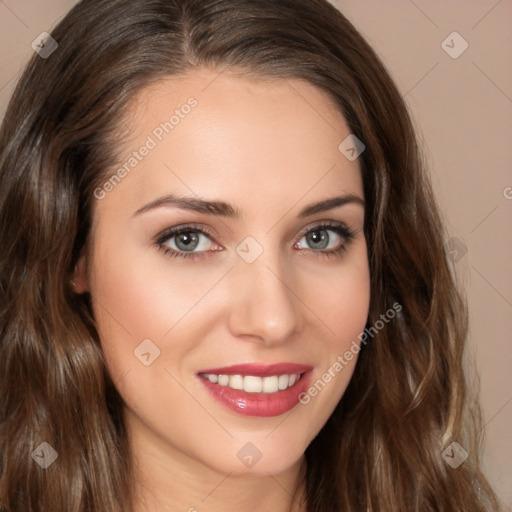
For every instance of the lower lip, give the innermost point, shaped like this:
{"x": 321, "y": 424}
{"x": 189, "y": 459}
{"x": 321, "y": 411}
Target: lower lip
{"x": 258, "y": 404}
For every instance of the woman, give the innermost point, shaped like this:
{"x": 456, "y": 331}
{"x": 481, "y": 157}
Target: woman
{"x": 223, "y": 280}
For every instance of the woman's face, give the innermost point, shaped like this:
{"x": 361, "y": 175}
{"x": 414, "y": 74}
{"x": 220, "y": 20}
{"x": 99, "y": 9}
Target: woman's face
{"x": 268, "y": 279}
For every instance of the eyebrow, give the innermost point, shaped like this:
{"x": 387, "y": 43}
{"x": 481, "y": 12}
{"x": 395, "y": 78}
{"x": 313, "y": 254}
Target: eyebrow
{"x": 227, "y": 210}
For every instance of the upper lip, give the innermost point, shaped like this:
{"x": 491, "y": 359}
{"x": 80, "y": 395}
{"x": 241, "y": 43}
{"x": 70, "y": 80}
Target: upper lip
{"x": 260, "y": 370}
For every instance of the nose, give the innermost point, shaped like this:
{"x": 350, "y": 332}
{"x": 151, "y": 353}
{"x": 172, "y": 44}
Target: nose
{"x": 264, "y": 306}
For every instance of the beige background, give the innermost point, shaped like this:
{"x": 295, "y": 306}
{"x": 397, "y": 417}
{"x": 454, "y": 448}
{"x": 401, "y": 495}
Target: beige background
{"x": 463, "y": 109}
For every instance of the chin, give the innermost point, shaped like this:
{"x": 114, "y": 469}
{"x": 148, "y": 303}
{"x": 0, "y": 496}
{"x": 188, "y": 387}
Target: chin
{"x": 257, "y": 456}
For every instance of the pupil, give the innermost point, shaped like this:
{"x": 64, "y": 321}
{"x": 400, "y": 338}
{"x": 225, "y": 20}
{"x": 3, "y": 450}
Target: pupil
{"x": 186, "y": 240}
{"x": 316, "y": 238}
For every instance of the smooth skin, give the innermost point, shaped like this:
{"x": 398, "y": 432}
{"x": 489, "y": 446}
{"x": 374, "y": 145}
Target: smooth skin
{"x": 269, "y": 148}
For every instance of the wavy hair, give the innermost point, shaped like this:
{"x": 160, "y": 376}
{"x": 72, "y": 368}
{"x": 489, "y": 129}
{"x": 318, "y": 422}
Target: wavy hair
{"x": 408, "y": 398}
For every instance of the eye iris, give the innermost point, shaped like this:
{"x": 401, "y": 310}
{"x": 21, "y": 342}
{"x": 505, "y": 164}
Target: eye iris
{"x": 188, "y": 239}
{"x": 318, "y": 237}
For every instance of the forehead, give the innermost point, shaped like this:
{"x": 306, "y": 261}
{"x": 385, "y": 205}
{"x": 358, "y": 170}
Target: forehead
{"x": 213, "y": 133}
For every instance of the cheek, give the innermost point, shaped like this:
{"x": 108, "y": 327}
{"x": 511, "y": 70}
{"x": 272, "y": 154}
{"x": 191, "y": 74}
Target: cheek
{"x": 139, "y": 284}
{"x": 341, "y": 300}
{"x": 347, "y": 305}
{"x": 342, "y": 305}
{"x": 136, "y": 298}
{"x": 146, "y": 316}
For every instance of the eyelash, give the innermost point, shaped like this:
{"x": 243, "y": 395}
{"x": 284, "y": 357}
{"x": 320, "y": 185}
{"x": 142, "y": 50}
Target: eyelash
{"x": 339, "y": 228}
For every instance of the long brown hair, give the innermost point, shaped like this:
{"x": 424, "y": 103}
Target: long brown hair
{"x": 381, "y": 450}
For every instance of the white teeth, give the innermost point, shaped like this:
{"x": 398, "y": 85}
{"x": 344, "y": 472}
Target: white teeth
{"x": 283, "y": 381}
{"x": 270, "y": 384}
{"x": 236, "y": 382}
{"x": 223, "y": 380}
{"x": 252, "y": 384}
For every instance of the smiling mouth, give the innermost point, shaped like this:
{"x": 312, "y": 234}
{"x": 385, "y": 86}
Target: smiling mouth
{"x": 252, "y": 383}
{"x": 257, "y": 389}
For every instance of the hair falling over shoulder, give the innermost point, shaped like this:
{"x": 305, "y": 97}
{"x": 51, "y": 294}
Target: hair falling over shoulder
{"x": 381, "y": 450}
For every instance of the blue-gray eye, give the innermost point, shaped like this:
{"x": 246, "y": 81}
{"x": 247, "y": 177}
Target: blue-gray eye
{"x": 321, "y": 239}
{"x": 188, "y": 241}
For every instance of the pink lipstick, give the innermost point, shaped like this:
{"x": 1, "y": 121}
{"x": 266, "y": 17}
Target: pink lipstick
{"x": 257, "y": 389}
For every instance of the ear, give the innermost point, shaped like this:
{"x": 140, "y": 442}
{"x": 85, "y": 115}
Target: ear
{"x": 80, "y": 281}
